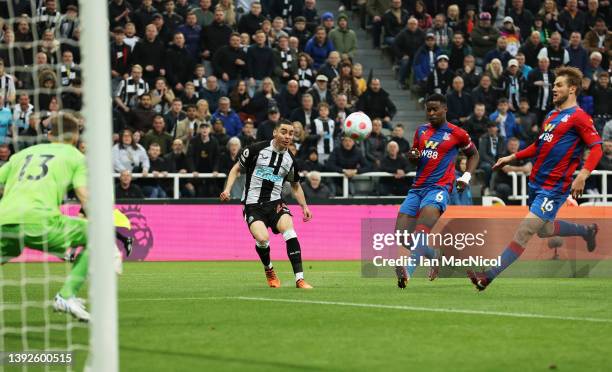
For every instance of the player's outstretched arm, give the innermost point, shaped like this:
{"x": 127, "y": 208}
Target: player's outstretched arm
{"x": 298, "y": 194}
{"x": 590, "y": 163}
{"x": 231, "y": 178}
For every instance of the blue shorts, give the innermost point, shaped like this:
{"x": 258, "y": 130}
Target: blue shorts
{"x": 545, "y": 203}
{"x": 417, "y": 199}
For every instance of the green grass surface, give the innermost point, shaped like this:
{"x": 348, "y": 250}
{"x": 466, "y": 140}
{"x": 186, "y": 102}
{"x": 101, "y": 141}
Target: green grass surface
{"x": 195, "y": 317}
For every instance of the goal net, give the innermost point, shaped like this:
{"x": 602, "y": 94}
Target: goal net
{"x": 54, "y": 64}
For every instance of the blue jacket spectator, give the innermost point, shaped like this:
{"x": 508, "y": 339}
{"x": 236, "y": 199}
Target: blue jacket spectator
{"x": 319, "y": 47}
{"x": 507, "y": 128}
{"x": 231, "y": 120}
{"x": 192, "y": 36}
{"x": 6, "y": 121}
{"x": 578, "y": 55}
{"x": 424, "y": 62}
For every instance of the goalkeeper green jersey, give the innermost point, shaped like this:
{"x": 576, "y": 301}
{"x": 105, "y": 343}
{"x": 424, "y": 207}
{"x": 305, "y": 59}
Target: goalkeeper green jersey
{"x": 36, "y": 180}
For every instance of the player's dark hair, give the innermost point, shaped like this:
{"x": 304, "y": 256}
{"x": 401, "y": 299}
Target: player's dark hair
{"x": 573, "y": 76}
{"x": 436, "y": 97}
{"x": 281, "y": 122}
{"x": 64, "y": 126}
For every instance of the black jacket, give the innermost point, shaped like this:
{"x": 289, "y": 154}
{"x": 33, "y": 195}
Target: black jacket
{"x": 179, "y": 162}
{"x": 407, "y": 42}
{"x": 489, "y": 98}
{"x": 121, "y": 58}
{"x": 179, "y": 65}
{"x": 287, "y": 103}
{"x": 390, "y": 24}
{"x": 458, "y": 106}
{"x": 439, "y": 80}
{"x": 341, "y": 159}
{"x": 476, "y": 128}
{"x": 214, "y": 36}
{"x": 149, "y": 53}
{"x": 205, "y": 156}
{"x": 260, "y": 62}
{"x": 249, "y": 23}
{"x": 133, "y": 192}
{"x": 376, "y": 104}
{"x": 224, "y": 61}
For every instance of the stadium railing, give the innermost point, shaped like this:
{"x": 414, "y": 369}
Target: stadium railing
{"x": 519, "y": 188}
{"x": 519, "y": 183}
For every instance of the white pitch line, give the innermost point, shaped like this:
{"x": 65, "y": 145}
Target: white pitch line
{"x": 429, "y": 309}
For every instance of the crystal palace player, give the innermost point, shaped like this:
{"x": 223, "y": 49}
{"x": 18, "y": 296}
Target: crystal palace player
{"x": 566, "y": 131}
{"x": 435, "y": 147}
{"x": 268, "y": 165}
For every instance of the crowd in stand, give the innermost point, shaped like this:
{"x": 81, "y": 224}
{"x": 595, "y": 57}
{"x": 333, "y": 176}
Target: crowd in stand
{"x": 195, "y": 81}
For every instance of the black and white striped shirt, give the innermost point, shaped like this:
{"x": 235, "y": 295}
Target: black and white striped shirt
{"x": 68, "y": 73}
{"x": 266, "y": 169}
{"x": 325, "y": 130}
{"x": 7, "y": 88}
{"x": 129, "y": 91}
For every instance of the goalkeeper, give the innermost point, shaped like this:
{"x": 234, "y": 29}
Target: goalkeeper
{"x": 34, "y": 183}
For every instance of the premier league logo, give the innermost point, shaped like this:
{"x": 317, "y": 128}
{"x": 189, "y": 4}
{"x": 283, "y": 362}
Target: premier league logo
{"x": 140, "y": 232}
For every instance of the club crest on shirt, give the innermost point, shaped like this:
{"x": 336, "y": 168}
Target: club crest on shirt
{"x": 446, "y": 136}
{"x": 565, "y": 118}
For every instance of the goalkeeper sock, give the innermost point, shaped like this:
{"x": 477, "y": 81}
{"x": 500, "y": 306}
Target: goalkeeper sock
{"x": 294, "y": 253}
{"x": 420, "y": 249}
{"x": 563, "y": 228}
{"x": 77, "y": 275}
{"x": 263, "y": 250}
{"x": 509, "y": 255}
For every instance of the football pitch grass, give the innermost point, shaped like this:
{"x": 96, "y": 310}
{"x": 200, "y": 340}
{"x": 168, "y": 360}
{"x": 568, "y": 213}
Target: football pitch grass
{"x": 218, "y": 316}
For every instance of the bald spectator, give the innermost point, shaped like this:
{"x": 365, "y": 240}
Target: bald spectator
{"x": 441, "y": 31}
{"x": 554, "y": 51}
{"x": 459, "y": 103}
{"x": 229, "y": 118}
{"x": 395, "y": 163}
{"x": 289, "y": 98}
{"x": 594, "y": 66}
{"x": 313, "y": 188}
{"x": 215, "y": 35}
{"x": 375, "y": 144}
{"x": 149, "y": 53}
{"x": 406, "y": 43}
{"x": 125, "y": 189}
{"x": 331, "y": 68}
{"x": 531, "y": 48}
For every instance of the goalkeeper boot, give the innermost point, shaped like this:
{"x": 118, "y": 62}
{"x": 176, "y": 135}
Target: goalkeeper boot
{"x": 301, "y": 283}
{"x": 434, "y": 270}
{"x": 592, "y": 231}
{"x": 273, "y": 280}
{"x": 72, "y": 306}
{"x": 480, "y": 280}
{"x": 402, "y": 276}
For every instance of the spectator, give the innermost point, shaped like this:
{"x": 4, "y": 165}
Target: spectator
{"x": 331, "y": 68}
{"x": 512, "y": 35}
{"x": 404, "y": 47}
{"x": 286, "y": 65}
{"x": 554, "y": 51}
{"x": 375, "y": 145}
{"x": 459, "y": 103}
{"x": 340, "y": 111}
{"x": 251, "y": 22}
{"x": 319, "y": 91}
{"x": 173, "y": 116}
{"x": 425, "y": 62}
{"x": 496, "y": 71}
{"x": 149, "y": 53}
{"x": 278, "y": 30}
{"x": 453, "y": 19}
{"x": 6, "y": 123}
{"x": 182, "y": 8}
{"x": 189, "y": 95}
{"x": 324, "y": 128}
{"x": 239, "y": 99}
{"x": 528, "y": 122}
{"x": 300, "y": 31}
{"x": 48, "y": 16}
{"x": 21, "y": 114}
{"x": 594, "y": 68}
{"x": 484, "y": 38}
{"x": 128, "y": 155}
{"x": 440, "y": 79}
{"x": 343, "y": 38}
{"x": 311, "y": 163}
{"x": 376, "y": 9}
{"x": 490, "y": 147}
{"x": 505, "y": 119}
{"x": 539, "y": 88}
{"x": 345, "y": 84}
{"x": 247, "y": 137}
{"x": 524, "y": 70}
{"x": 162, "y": 30}
{"x": 397, "y": 136}
{"x": 231, "y": 121}
{"x": 49, "y": 45}
{"x": 310, "y": 14}
{"x": 199, "y": 76}
{"x": 358, "y": 76}
{"x": 304, "y": 114}
{"x": 172, "y": 19}
{"x": 289, "y": 99}
{"x": 143, "y": 16}
{"x": 572, "y": 19}
{"x": 578, "y": 56}
{"x": 531, "y": 48}
{"x": 131, "y": 38}
{"x": 179, "y": 63}
{"x": 158, "y": 135}
{"x": 394, "y": 20}
{"x": 485, "y": 93}
{"x": 469, "y": 74}
{"x": 265, "y": 131}
{"x": 585, "y": 99}
{"x": 543, "y": 29}
{"x": 260, "y": 62}
{"x": 513, "y": 84}
{"x": 215, "y": 35}
{"x": 229, "y": 63}
{"x": 23, "y": 35}
{"x": 192, "y": 33}
{"x": 376, "y": 103}
{"x": 461, "y": 197}
{"x": 179, "y": 162}
{"x": 211, "y": 92}
{"x": 347, "y": 159}
{"x": 442, "y": 33}
{"x": 500, "y": 52}
{"x": 599, "y": 39}
{"x": 156, "y": 188}
{"x": 204, "y": 15}
{"x": 502, "y": 181}
{"x": 5, "y": 154}
{"x": 477, "y": 122}
{"x": 319, "y": 47}
{"x": 593, "y": 13}
{"x": 129, "y": 92}
{"x": 466, "y": 26}
{"x": 327, "y": 21}
{"x": 219, "y": 133}
{"x": 305, "y": 73}
{"x": 141, "y": 117}
{"x": 300, "y": 140}
{"x": 119, "y": 13}
{"x": 521, "y": 17}
{"x": 227, "y": 161}
{"x": 313, "y": 188}
{"x": 265, "y": 98}
{"x": 204, "y": 152}
{"x": 121, "y": 56}
{"x": 602, "y": 99}
{"x": 125, "y": 189}
{"x": 458, "y": 51}
{"x": 420, "y": 13}
{"x": 548, "y": 15}
{"x": 188, "y": 127}
{"x": 607, "y": 131}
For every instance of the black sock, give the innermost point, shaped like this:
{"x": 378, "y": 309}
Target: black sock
{"x": 264, "y": 255}
{"x": 295, "y": 255}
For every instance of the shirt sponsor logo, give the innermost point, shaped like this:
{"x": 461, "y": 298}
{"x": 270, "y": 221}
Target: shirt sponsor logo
{"x": 267, "y": 173}
{"x": 431, "y": 144}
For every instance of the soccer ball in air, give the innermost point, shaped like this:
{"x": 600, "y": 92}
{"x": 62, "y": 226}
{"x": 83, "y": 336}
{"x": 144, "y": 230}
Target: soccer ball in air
{"x": 358, "y": 126}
